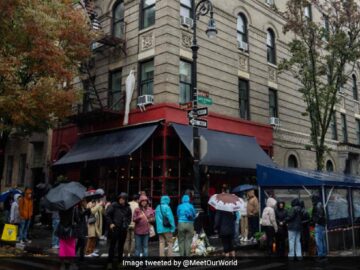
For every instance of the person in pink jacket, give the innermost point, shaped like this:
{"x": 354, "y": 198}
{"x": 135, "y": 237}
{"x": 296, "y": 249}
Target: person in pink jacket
{"x": 143, "y": 217}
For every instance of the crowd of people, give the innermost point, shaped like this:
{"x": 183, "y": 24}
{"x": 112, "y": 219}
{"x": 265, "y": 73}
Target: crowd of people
{"x": 128, "y": 225}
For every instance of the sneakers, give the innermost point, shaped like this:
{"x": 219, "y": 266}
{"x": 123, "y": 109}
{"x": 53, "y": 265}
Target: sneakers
{"x": 22, "y": 242}
{"x": 244, "y": 239}
{"x": 55, "y": 247}
{"x": 27, "y": 241}
{"x": 94, "y": 254}
{"x": 103, "y": 238}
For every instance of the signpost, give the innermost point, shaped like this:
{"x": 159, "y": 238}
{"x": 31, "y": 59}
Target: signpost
{"x": 198, "y": 123}
{"x": 198, "y": 112}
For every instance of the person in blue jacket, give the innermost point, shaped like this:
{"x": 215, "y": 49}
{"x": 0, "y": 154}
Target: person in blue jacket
{"x": 165, "y": 226}
{"x": 186, "y": 216}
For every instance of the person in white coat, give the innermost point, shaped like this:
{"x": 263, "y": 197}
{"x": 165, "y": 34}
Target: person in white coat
{"x": 14, "y": 212}
{"x": 269, "y": 225}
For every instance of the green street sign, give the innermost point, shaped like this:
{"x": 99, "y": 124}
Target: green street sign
{"x": 205, "y": 100}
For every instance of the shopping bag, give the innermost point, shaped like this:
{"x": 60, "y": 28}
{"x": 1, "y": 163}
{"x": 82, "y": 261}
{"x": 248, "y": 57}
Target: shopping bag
{"x": 9, "y": 233}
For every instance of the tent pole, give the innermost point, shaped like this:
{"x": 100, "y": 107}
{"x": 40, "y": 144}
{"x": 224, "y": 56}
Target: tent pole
{"x": 326, "y": 228}
{"x": 259, "y": 195}
{"x": 352, "y": 221}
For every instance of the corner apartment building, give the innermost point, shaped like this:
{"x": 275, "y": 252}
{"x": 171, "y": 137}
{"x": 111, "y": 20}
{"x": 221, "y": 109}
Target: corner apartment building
{"x": 255, "y": 110}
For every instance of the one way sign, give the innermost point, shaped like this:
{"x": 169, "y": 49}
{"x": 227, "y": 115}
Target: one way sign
{"x": 198, "y": 123}
{"x": 198, "y": 112}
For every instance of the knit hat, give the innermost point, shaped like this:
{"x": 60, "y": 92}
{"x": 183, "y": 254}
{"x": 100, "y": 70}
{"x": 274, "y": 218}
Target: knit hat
{"x": 143, "y": 198}
{"x": 122, "y": 195}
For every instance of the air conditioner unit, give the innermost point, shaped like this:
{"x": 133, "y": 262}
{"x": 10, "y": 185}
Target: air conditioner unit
{"x": 274, "y": 121}
{"x": 269, "y": 2}
{"x": 186, "y": 21}
{"x": 243, "y": 45}
{"x": 145, "y": 100}
{"x": 342, "y": 90}
{"x": 96, "y": 45}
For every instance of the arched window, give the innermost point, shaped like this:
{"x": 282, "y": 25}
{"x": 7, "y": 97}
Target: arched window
{"x": 242, "y": 28}
{"x": 355, "y": 90}
{"x": 118, "y": 27}
{"x": 292, "y": 162}
{"x": 270, "y": 43}
{"x": 329, "y": 166}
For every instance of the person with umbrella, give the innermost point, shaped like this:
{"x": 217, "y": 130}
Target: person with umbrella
{"x": 226, "y": 205}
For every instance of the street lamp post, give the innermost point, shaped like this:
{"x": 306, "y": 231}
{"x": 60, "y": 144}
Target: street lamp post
{"x": 202, "y": 8}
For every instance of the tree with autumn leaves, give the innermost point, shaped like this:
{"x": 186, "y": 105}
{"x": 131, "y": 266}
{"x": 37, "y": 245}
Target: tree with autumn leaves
{"x": 323, "y": 55}
{"x": 41, "y": 47}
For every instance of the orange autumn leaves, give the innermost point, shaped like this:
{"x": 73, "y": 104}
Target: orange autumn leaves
{"x": 42, "y": 46}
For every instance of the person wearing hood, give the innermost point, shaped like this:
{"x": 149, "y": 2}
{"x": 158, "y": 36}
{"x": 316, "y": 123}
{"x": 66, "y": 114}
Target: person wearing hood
{"x": 319, "y": 219}
{"x": 186, "y": 215}
{"x": 14, "y": 211}
{"x": 253, "y": 215}
{"x": 144, "y": 216}
{"x": 118, "y": 216}
{"x": 268, "y": 222}
{"x": 281, "y": 215}
{"x": 165, "y": 226}
{"x": 26, "y": 212}
{"x": 294, "y": 223}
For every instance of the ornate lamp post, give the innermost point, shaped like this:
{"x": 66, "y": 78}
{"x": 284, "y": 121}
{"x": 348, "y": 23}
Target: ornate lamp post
{"x": 202, "y": 8}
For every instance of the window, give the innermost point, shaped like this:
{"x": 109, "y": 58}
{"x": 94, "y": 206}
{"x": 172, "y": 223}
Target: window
{"x": 89, "y": 94}
{"x": 358, "y": 130}
{"x": 148, "y": 13}
{"x": 307, "y": 12}
{"x": 273, "y": 106}
{"x": 185, "y": 8}
{"x": 242, "y": 29}
{"x": 147, "y": 78}
{"x": 292, "y": 162}
{"x": 9, "y": 170}
{"x": 329, "y": 166}
{"x": 118, "y": 20}
{"x": 115, "y": 90}
{"x": 185, "y": 82}
{"x": 333, "y": 127}
{"x": 344, "y": 128}
{"x": 244, "y": 99}
{"x": 270, "y": 43}
{"x": 22, "y": 168}
{"x": 354, "y": 87}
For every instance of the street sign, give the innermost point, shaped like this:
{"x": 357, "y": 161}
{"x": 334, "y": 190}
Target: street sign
{"x": 204, "y": 100}
{"x": 198, "y": 123}
{"x": 198, "y": 112}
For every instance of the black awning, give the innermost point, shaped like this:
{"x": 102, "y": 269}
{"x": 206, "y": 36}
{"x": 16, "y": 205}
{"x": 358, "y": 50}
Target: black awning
{"x": 110, "y": 145}
{"x": 226, "y": 149}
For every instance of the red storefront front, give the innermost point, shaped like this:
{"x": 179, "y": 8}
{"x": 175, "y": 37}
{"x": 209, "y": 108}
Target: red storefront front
{"x": 159, "y": 161}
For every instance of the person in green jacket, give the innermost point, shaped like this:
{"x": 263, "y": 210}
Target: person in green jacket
{"x": 165, "y": 226}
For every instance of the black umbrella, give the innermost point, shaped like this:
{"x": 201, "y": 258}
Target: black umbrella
{"x": 64, "y": 196}
{"x": 243, "y": 188}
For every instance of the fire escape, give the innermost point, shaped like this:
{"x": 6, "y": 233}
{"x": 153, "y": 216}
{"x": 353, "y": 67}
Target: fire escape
{"x": 98, "y": 104}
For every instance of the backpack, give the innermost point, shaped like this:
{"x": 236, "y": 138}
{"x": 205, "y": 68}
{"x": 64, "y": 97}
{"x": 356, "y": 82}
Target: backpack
{"x": 165, "y": 219}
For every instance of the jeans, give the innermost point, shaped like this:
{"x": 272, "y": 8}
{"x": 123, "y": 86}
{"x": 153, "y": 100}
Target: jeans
{"x": 237, "y": 233}
{"x": 141, "y": 245}
{"x": 294, "y": 244}
{"x": 185, "y": 236}
{"x": 24, "y": 228}
{"x": 320, "y": 240}
{"x": 55, "y": 239}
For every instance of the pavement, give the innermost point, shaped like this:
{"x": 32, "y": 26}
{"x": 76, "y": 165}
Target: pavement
{"x": 39, "y": 255}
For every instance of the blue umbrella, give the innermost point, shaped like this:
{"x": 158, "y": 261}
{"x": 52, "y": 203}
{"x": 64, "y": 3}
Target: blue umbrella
{"x": 5, "y": 194}
{"x": 243, "y": 188}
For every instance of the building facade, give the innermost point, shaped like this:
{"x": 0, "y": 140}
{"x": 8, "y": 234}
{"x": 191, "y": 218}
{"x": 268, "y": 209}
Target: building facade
{"x": 237, "y": 70}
